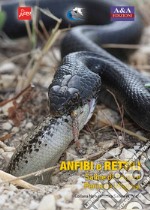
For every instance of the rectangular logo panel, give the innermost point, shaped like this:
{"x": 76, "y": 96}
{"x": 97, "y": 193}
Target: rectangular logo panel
{"x": 122, "y": 13}
{"x": 24, "y": 13}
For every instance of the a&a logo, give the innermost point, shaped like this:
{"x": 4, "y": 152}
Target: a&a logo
{"x": 122, "y": 13}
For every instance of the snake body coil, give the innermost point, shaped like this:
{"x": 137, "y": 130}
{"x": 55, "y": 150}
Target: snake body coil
{"x": 86, "y": 73}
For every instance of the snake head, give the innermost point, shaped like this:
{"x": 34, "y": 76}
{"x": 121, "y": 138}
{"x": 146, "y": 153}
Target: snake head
{"x": 73, "y": 89}
{"x": 63, "y": 99}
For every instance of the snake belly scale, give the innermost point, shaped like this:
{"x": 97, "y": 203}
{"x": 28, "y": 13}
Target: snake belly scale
{"x": 87, "y": 71}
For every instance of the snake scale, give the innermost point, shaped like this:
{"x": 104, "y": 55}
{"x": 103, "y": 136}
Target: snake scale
{"x": 84, "y": 76}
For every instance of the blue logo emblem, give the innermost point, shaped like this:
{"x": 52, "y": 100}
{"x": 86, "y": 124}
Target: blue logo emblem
{"x": 75, "y": 14}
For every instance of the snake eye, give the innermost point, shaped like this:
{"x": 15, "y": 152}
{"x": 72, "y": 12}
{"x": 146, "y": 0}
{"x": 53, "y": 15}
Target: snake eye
{"x": 75, "y": 97}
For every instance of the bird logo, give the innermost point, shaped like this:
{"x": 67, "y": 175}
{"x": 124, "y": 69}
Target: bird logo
{"x": 75, "y": 14}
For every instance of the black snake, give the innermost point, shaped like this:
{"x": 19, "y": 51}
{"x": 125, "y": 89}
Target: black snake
{"x": 87, "y": 71}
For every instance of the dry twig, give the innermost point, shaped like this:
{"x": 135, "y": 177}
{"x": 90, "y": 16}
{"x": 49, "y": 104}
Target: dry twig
{"x": 142, "y": 138}
{"x": 12, "y": 179}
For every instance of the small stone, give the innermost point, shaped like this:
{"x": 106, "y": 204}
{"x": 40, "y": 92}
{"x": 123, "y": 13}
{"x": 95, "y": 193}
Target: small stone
{"x": 29, "y": 125}
{"x": 66, "y": 193}
{"x": 90, "y": 141}
{"x": 126, "y": 154}
{"x": 7, "y": 81}
{"x": 10, "y": 193}
{"x": 2, "y": 144}
{"x": 6, "y": 107}
{"x": 72, "y": 151}
{"x": 106, "y": 144}
{"x": 15, "y": 129}
{"x": 47, "y": 203}
{"x": 54, "y": 179}
{"x": 136, "y": 147}
{"x": 12, "y": 187}
{"x": 9, "y": 149}
{"x": 33, "y": 205}
{"x": 120, "y": 138}
{"x": 7, "y": 155}
{"x": 139, "y": 133}
{"x": 112, "y": 153}
{"x": 82, "y": 141}
{"x": 1, "y": 150}
{"x": 76, "y": 187}
{"x": 6, "y": 148}
{"x": 75, "y": 179}
{"x": 80, "y": 180}
{"x": 77, "y": 203}
{"x": 132, "y": 150}
{"x": 64, "y": 206}
{"x": 3, "y": 199}
{"x": 7, "y": 126}
{"x": 87, "y": 137}
{"x": 105, "y": 116}
{"x": 7, "y": 67}
{"x": 70, "y": 156}
{"x": 20, "y": 199}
